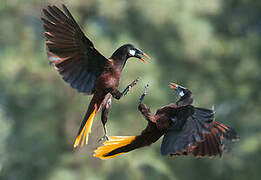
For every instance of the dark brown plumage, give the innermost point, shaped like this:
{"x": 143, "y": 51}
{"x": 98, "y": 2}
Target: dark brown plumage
{"x": 83, "y": 67}
{"x": 186, "y": 129}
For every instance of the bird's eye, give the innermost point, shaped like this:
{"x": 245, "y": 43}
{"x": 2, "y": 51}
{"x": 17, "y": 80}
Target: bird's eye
{"x": 132, "y": 52}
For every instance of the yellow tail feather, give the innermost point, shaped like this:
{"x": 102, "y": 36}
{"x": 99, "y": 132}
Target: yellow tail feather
{"x": 113, "y": 143}
{"x": 86, "y": 130}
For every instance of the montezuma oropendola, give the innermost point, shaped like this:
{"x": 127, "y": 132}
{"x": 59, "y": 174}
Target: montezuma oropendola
{"x": 186, "y": 129}
{"x": 83, "y": 67}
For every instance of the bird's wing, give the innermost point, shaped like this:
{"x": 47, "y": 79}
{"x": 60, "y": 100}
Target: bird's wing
{"x": 117, "y": 145}
{"x": 70, "y": 51}
{"x": 182, "y": 140}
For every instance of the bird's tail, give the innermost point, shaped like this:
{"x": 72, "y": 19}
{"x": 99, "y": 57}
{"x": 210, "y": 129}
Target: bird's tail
{"x": 116, "y": 145}
{"x": 85, "y": 128}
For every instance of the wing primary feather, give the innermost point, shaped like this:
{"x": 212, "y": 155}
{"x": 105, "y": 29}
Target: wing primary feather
{"x": 70, "y": 16}
{"x": 65, "y": 24}
{"x": 86, "y": 40}
{"x": 53, "y": 40}
{"x": 58, "y": 36}
{"x": 70, "y": 51}
{"x": 72, "y": 59}
{"x": 208, "y": 150}
{"x": 55, "y": 13}
{"x": 58, "y": 11}
{"x": 49, "y": 16}
{"x": 218, "y": 139}
{"x": 54, "y": 29}
{"x": 65, "y": 19}
{"x": 47, "y": 22}
{"x": 51, "y": 45}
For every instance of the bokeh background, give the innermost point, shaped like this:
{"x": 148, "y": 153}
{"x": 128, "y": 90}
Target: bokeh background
{"x": 212, "y": 47}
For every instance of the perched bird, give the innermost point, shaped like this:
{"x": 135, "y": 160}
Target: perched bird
{"x": 186, "y": 129}
{"x": 83, "y": 67}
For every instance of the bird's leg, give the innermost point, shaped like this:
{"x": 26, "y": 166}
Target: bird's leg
{"x": 117, "y": 94}
{"x": 145, "y": 110}
{"x": 144, "y": 94}
{"x": 104, "y": 117}
{"x": 128, "y": 88}
{"x": 105, "y": 137}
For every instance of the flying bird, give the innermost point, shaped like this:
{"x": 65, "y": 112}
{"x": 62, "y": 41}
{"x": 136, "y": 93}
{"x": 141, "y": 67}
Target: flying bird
{"x": 186, "y": 129}
{"x": 84, "y": 67}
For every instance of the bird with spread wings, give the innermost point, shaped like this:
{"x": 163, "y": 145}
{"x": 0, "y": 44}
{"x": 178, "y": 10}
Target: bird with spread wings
{"x": 186, "y": 129}
{"x": 83, "y": 67}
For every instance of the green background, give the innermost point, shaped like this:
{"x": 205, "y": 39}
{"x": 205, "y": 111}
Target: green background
{"x": 213, "y": 47}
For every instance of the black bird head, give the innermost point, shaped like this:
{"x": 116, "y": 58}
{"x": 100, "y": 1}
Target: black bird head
{"x": 185, "y": 95}
{"x": 126, "y": 51}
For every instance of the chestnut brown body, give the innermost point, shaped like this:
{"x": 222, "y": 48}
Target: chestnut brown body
{"x": 83, "y": 67}
{"x": 186, "y": 130}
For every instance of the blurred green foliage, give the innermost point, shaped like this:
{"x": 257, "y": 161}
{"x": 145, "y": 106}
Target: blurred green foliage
{"x": 212, "y": 47}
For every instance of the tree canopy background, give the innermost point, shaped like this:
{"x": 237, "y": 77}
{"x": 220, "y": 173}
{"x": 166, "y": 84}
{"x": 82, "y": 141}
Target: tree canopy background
{"x": 211, "y": 47}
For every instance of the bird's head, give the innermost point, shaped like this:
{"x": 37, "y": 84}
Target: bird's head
{"x": 185, "y": 95}
{"x": 128, "y": 50}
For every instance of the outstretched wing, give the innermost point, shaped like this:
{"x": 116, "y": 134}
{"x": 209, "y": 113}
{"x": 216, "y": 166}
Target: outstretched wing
{"x": 182, "y": 140}
{"x": 213, "y": 144}
{"x": 70, "y": 51}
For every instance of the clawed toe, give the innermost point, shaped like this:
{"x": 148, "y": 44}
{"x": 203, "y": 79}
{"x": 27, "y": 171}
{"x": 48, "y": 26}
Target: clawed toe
{"x": 104, "y": 138}
{"x": 145, "y": 90}
{"x": 133, "y": 83}
{"x": 128, "y": 88}
{"x": 144, "y": 94}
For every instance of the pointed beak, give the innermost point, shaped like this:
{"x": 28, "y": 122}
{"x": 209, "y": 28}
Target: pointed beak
{"x": 143, "y": 54}
{"x": 173, "y": 85}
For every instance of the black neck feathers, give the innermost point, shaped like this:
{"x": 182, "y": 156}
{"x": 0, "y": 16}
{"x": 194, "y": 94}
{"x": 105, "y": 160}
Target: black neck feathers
{"x": 186, "y": 99}
{"x": 122, "y": 53}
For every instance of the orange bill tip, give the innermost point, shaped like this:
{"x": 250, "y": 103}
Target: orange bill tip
{"x": 144, "y": 54}
{"x": 143, "y": 60}
{"x": 173, "y": 85}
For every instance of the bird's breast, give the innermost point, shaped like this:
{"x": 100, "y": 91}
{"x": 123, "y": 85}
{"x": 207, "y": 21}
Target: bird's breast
{"x": 163, "y": 121}
{"x": 109, "y": 79}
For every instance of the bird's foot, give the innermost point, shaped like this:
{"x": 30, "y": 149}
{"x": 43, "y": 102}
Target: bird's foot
{"x": 128, "y": 88}
{"x": 145, "y": 89}
{"x": 104, "y": 138}
{"x": 144, "y": 94}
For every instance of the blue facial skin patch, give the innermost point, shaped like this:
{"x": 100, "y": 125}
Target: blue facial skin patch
{"x": 181, "y": 93}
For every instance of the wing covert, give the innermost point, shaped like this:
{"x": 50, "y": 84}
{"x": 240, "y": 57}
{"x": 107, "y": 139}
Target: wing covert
{"x": 182, "y": 140}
